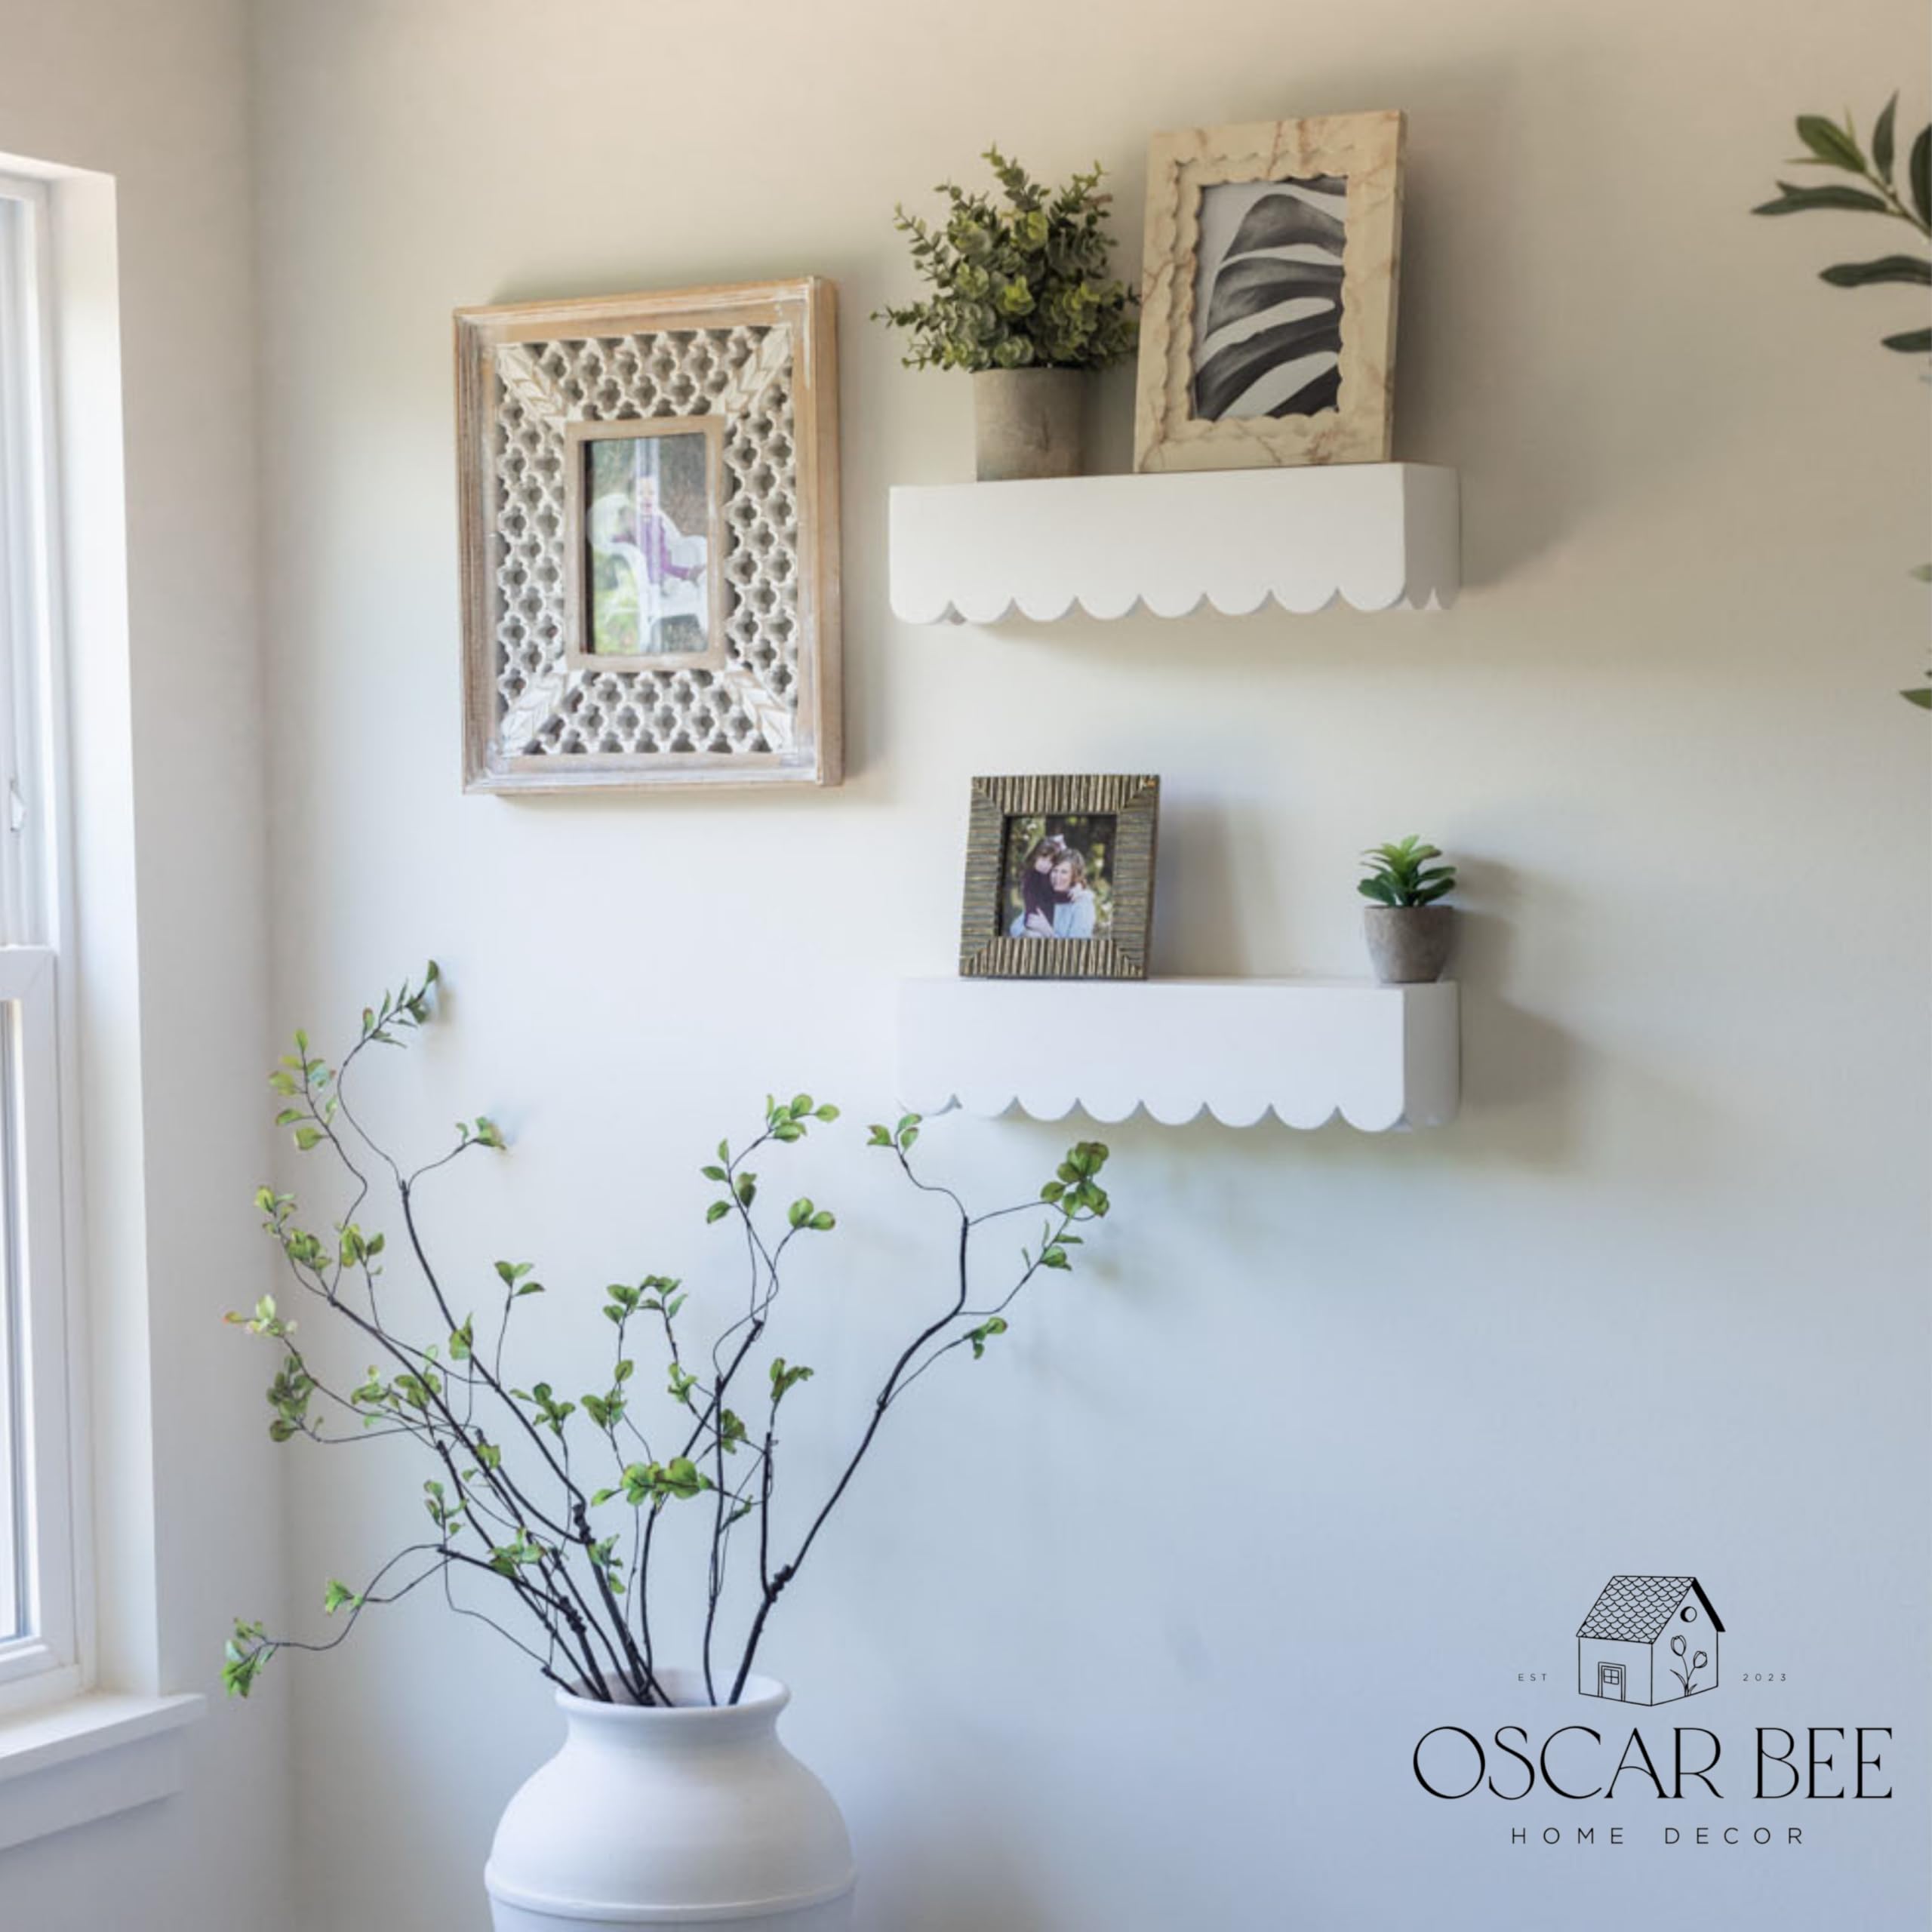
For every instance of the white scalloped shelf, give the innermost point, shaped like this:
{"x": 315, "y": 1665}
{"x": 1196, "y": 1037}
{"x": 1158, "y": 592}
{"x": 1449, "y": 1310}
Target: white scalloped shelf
{"x": 1305, "y": 1050}
{"x": 1373, "y": 534}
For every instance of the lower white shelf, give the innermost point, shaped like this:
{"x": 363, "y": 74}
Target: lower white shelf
{"x": 1304, "y": 1049}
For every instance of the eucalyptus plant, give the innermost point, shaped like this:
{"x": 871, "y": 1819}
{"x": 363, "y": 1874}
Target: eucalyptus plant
{"x": 1835, "y": 145}
{"x": 1400, "y": 874}
{"x": 1018, "y": 282}
{"x": 544, "y": 1508}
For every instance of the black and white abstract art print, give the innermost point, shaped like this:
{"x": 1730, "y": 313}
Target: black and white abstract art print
{"x": 1268, "y": 298}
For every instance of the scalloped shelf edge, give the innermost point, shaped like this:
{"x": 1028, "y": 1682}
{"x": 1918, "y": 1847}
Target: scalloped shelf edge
{"x": 1374, "y": 536}
{"x": 1380, "y": 1058}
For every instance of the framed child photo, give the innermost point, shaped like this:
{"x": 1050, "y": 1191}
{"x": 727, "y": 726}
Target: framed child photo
{"x": 650, "y": 520}
{"x": 1060, "y": 878}
{"x": 1268, "y": 296}
{"x": 644, "y": 540}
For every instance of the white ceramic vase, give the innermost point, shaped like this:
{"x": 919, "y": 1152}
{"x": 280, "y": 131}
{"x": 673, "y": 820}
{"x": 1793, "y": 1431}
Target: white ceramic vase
{"x": 691, "y": 1816}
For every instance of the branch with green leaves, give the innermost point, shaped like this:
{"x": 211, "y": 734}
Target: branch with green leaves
{"x": 1835, "y": 145}
{"x": 526, "y": 1480}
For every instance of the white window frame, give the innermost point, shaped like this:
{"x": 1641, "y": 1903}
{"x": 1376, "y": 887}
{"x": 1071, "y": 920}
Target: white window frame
{"x": 53, "y": 1660}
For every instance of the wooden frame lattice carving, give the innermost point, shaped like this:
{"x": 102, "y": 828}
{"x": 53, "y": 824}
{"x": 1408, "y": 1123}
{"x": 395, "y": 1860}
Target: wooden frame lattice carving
{"x": 759, "y": 359}
{"x": 986, "y": 950}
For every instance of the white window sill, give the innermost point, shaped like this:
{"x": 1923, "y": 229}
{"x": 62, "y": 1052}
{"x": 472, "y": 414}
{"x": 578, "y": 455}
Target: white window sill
{"x": 88, "y": 1759}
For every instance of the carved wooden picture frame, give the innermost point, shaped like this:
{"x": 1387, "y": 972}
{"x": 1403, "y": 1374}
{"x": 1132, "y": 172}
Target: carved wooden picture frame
{"x": 1088, "y": 843}
{"x": 749, "y": 370}
{"x": 1268, "y": 295}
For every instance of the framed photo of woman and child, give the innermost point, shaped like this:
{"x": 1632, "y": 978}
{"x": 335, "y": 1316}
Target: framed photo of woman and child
{"x": 1060, "y": 878}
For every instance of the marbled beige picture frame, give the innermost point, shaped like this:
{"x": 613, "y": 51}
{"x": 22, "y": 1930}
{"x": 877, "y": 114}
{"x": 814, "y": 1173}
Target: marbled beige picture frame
{"x": 1268, "y": 294}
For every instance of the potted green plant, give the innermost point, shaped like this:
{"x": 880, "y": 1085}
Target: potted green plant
{"x": 1021, "y": 299}
{"x": 672, "y": 1803}
{"x": 1408, "y": 931}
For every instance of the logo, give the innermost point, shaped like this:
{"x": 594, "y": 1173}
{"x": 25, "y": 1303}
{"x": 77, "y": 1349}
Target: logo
{"x": 1648, "y": 1640}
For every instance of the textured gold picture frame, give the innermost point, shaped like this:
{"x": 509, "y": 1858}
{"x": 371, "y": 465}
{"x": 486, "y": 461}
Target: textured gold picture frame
{"x": 760, "y": 358}
{"x": 985, "y": 950}
{"x": 1366, "y": 150}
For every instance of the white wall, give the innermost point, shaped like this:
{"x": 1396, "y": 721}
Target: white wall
{"x": 156, "y": 98}
{"x": 1137, "y": 1622}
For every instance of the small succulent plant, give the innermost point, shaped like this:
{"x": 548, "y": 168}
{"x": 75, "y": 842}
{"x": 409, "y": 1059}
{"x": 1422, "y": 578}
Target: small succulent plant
{"x": 1400, "y": 874}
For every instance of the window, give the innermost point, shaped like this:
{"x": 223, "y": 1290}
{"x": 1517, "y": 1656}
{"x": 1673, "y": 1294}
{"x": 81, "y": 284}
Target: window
{"x": 39, "y": 1631}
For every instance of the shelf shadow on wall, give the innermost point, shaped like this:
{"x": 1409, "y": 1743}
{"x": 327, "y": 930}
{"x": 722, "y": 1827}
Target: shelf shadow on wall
{"x": 1519, "y": 1069}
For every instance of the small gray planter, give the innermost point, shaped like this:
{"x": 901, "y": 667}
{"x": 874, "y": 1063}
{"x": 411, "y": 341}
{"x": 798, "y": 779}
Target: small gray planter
{"x": 1408, "y": 945}
{"x": 1027, "y": 423}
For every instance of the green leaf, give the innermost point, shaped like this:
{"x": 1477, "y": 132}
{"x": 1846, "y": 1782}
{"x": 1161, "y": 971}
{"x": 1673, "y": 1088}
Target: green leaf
{"x": 823, "y": 1221}
{"x": 747, "y": 1189}
{"x": 1830, "y": 143}
{"x": 336, "y": 1595}
{"x": 682, "y": 1477}
{"x": 1919, "y": 170}
{"x": 529, "y": 1288}
{"x": 995, "y": 1325}
{"x": 1881, "y": 139}
{"x": 1913, "y": 342}
{"x": 306, "y": 1137}
{"x": 828, "y": 1112}
{"x": 717, "y": 1211}
{"x": 1922, "y": 696}
{"x": 878, "y": 1136}
{"x": 784, "y": 1378}
{"x": 1793, "y": 200}
{"x": 1886, "y": 268}
{"x": 1922, "y": 572}
{"x": 716, "y": 1174}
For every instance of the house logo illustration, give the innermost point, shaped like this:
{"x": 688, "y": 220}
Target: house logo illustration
{"x": 1649, "y": 1640}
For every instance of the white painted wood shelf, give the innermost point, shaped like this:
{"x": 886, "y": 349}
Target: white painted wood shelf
{"x": 1371, "y": 534}
{"x": 1307, "y": 1051}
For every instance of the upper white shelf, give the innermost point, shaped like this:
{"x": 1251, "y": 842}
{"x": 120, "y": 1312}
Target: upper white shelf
{"x": 1306, "y": 1050}
{"x": 1375, "y": 534}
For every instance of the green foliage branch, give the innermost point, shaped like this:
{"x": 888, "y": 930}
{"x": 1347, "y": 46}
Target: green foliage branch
{"x": 1835, "y": 145}
{"x": 1018, "y": 282}
{"x": 1400, "y": 874}
{"x": 526, "y": 1484}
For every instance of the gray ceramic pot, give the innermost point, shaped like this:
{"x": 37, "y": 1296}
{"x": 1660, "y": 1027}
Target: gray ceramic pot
{"x": 1026, "y": 422}
{"x": 1408, "y": 945}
